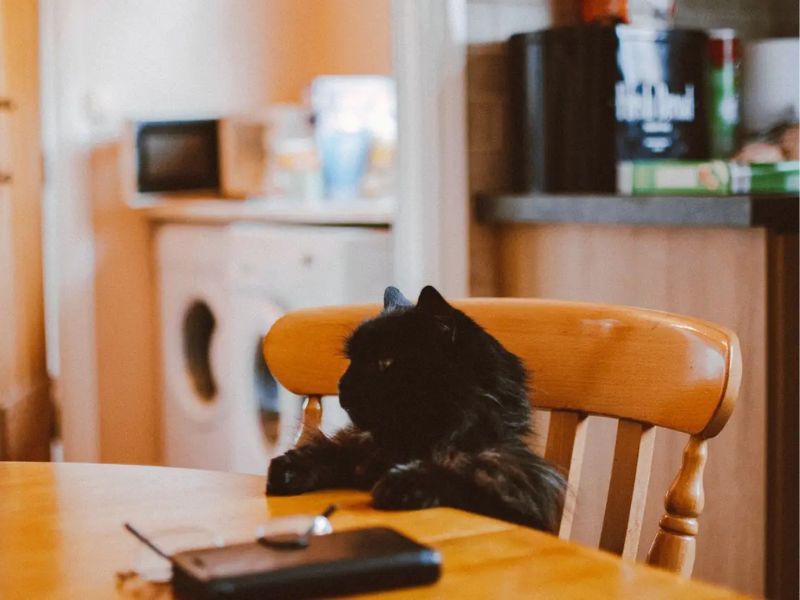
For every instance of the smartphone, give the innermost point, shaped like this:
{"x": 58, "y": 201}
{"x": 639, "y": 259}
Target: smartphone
{"x": 347, "y": 562}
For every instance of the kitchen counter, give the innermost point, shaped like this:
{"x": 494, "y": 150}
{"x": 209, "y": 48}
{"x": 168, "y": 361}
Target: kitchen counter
{"x": 210, "y": 209}
{"x": 778, "y": 212}
{"x": 731, "y": 260}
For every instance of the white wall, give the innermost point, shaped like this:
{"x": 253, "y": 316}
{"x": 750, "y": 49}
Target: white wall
{"x": 105, "y": 60}
{"x": 110, "y": 59}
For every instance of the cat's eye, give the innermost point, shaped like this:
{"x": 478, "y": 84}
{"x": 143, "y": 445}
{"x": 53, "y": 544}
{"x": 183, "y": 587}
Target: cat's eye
{"x": 385, "y": 363}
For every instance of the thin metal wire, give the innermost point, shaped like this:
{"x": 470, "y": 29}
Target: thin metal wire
{"x": 141, "y": 537}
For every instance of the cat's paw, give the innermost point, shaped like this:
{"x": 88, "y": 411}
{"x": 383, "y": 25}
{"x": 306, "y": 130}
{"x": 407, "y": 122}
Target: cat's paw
{"x": 407, "y": 487}
{"x": 290, "y": 474}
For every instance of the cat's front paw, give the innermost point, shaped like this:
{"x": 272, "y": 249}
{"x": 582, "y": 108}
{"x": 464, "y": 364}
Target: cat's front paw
{"x": 407, "y": 487}
{"x": 290, "y": 474}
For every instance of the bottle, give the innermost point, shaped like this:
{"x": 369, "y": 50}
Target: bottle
{"x": 723, "y": 91}
{"x": 604, "y": 11}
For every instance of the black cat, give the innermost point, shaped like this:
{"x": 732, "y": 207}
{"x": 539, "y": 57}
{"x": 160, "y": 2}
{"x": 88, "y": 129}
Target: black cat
{"x": 439, "y": 411}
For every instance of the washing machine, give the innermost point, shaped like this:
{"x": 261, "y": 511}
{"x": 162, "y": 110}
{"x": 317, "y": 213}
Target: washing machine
{"x": 273, "y": 269}
{"x": 192, "y": 265}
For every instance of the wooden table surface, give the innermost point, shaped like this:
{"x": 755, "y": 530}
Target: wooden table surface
{"x": 61, "y": 536}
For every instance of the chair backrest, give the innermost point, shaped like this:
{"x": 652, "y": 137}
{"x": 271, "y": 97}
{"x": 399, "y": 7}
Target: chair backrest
{"x": 646, "y": 368}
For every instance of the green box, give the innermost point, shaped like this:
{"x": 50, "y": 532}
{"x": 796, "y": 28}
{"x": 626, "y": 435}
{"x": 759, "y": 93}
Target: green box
{"x": 766, "y": 178}
{"x": 674, "y": 177}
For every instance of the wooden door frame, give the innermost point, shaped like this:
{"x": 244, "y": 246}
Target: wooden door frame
{"x": 25, "y": 408}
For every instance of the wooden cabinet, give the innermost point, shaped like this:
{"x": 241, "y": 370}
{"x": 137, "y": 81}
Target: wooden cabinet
{"x": 744, "y": 278}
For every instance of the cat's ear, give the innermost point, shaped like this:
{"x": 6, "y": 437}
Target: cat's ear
{"x": 393, "y": 299}
{"x": 432, "y": 302}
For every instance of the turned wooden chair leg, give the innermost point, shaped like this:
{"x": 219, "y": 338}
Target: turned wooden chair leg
{"x": 674, "y": 545}
{"x": 312, "y": 419}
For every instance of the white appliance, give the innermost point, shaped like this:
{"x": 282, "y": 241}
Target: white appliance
{"x": 278, "y": 268}
{"x": 194, "y": 306}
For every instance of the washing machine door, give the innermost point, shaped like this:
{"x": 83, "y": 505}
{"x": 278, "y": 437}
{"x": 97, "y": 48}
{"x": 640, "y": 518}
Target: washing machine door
{"x": 200, "y": 359}
{"x": 196, "y": 399}
{"x": 198, "y": 329}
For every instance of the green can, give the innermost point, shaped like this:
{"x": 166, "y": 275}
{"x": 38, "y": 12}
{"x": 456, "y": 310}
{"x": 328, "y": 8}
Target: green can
{"x": 723, "y": 95}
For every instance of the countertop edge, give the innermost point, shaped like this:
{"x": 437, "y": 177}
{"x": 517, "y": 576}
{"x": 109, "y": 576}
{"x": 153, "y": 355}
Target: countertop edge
{"x": 162, "y": 209}
{"x": 778, "y": 212}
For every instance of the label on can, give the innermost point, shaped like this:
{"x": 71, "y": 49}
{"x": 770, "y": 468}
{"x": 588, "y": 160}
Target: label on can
{"x": 723, "y": 93}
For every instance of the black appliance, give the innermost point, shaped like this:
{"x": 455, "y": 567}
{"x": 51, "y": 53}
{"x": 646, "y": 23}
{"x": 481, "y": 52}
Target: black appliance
{"x": 586, "y": 97}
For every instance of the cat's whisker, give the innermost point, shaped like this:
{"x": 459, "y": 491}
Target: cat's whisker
{"x": 493, "y": 398}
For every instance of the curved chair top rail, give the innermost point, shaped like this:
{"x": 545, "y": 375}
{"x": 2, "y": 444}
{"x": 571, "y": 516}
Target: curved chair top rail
{"x": 643, "y": 365}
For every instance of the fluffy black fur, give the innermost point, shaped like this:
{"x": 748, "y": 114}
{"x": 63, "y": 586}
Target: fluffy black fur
{"x": 440, "y": 410}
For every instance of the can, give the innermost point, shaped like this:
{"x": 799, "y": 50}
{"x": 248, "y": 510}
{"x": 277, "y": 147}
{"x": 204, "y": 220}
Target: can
{"x": 586, "y": 97}
{"x": 604, "y": 11}
{"x": 724, "y": 81}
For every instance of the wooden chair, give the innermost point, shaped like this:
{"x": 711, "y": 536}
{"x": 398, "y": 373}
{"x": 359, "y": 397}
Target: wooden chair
{"x": 646, "y": 368}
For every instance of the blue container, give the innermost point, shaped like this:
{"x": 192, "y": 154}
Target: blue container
{"x": 344, "y": 156}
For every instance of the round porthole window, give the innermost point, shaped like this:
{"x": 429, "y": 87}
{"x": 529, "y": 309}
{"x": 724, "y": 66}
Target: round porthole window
{"x": 198, "y": 330}
{"x": 267, "y": 401}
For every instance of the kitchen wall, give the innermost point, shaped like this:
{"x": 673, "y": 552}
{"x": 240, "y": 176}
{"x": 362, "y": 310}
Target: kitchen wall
{"x": 106, "y": 60}
{"x": 313, "y": 37}
{"x": 750, "y": 18}
{"x": 489, "y": 127}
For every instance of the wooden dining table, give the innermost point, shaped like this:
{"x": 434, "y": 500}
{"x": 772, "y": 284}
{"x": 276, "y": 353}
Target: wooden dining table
{"x": 62, "y": 536}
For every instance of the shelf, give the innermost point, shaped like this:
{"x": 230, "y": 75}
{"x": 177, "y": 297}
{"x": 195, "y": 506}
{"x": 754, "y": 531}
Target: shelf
{"x": 779, "y": 212}
{"x": 208, "y": 209}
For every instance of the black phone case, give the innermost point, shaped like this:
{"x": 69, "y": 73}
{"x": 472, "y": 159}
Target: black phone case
{"x": 346, "y": 562}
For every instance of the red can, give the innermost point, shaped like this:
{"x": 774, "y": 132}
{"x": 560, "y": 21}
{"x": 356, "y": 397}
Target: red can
{"x": 604, "y": 11}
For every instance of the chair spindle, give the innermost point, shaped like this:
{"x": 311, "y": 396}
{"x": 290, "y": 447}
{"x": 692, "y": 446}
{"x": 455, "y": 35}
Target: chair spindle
{"x": 566, "y": 442}
{"x": 312, "y": 418}
{"x": 674, "y": 545}
{"x": 627, "y": 490}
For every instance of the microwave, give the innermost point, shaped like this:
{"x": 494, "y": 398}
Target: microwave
{"x": 226, "y": 157}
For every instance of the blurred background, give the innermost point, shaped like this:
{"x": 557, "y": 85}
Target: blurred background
{"x": 174, "y": 176}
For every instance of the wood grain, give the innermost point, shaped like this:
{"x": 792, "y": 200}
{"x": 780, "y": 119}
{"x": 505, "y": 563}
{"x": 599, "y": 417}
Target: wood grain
{"x": 782, "y": 417}
{"x": 627, "y": 490}
{"x": 675, "y": 545}
{"x": 588, "y": 358}
{"x": 61, "y": 536}
{"x": 24, "y": 384}
{"x": 715, "y": 274}
{"x": 26, "y": 425}
{"x": 489, "y": 131}
{"x": 312, "y": 418}
{"x": 597, "y": 359}
{"x": 566, "y": 445}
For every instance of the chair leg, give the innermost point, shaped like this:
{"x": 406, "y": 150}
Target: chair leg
{"x": 674, "y": 546}
{"x": 312, "y": 418}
